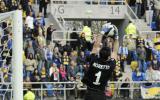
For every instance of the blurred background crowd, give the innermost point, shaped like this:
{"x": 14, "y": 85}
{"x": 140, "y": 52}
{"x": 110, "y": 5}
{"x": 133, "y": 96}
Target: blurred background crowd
{"x": 45, "y": 60}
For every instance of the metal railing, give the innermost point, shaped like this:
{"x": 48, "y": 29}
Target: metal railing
{"x": 89, "y": 2}
{"x": 117, "y": 87}
{"x": 65, "y": 34}
{"x": 62, "y": 21}
{"x": 42, "y": 89}
{"x": 134, "y": 18}
{"x": 131, "y": 15}
{"x": 151, "y": 34}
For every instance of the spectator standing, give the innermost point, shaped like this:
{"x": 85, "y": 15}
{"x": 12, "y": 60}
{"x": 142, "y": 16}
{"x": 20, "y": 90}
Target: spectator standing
{"x": 140, "y": 42}
{"x": 43, "y": 74}
{"x": 14, "y": 5}
{"x": 29, "y": 21}
{"x": 67, "y": 48}
{"x": 131, "y": 29}
{"x": 131, "y": 45}
{"x": 88, "y": 36}
{"x": 30, "y": 7}
{"x": 40, "y": 55}
{"x": 48, "y": 57}
{"x": 54, "y": 73}
{"x": 141, "y": 53}
{"x": 62, "y": 73}
{"x": 30, "y": 64}
{"x": 41, "y": 39}
{"x": 123, "y": 52}
{"x": 35, "y": 78}
{"x": 132, "y": 4}
{"x": 74, "y": 44}
{"x": 156, "y": 58}
{"x": 27, "y": 34}
{"x": 156, "y": 41}
{"x": 50, "y": 30}
{"x": 72, "y": 70}
{"x": 138, "y": 8}
{"x": 149, "y": 56}
{"x": 43, "y": 5}
{"x": 37, "y": 30}
{"x": 149, "y": 12}
{"x": 57, "y": 56}
{"x": 29, "y": 49}
{"x": 56, "y": 53}
{"x": 25, "y": 5}
{"x": 117, "y": 71}
{"x": 73, "y": 56}
{"x": 81, "y": 60}
{"x": 83, "y": 42}
{"x": 40, "y": 19}
{"x": 65, "y": 59}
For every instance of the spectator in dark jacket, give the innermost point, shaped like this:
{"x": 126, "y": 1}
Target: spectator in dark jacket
{"x": 74, "y": 44}
{"x": 50, "y": 30}
{"x": 67, "y": 48}
{"x": 40, "y": 54}
{"x": 83, "y": 42}
{"x": 43, "y": 5}
{"x": 24, "y": 4}
{"x": 81, "y": 60}
{"x": 35, "y": 77}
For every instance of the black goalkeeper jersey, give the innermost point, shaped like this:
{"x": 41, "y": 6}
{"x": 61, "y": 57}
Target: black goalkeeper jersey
{"x": 99, "y": 73}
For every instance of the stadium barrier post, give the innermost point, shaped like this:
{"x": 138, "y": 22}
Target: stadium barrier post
{"x": 132, "y": 86}
{"x": 41, "y": 92}
{"x": 65, "y": 98}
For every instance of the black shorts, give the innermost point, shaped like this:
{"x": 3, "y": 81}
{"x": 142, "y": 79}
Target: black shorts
{"x": 95, "y": 95}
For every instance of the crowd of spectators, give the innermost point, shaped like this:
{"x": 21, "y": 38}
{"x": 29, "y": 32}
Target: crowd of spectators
{"x": 148, "y": 10}
{"x": 45, "y": 60}
{"x": 143, "y": 56}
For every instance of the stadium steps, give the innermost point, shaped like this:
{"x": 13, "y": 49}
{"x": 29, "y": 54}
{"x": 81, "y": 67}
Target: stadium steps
{"x": 52, "y": 20}
{"x": 142, "y": 25}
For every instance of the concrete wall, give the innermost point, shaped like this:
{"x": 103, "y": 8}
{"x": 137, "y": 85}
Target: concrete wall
{"x": 69, "y": 11}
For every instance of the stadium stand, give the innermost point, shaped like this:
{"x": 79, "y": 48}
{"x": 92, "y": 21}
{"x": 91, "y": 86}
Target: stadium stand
{"x": 46, "y": 61}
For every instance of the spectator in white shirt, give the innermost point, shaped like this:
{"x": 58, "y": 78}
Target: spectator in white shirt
{"x": 152, "y": 75}
{"x": 54, "y": 73}
{"x": 30, "y": 21}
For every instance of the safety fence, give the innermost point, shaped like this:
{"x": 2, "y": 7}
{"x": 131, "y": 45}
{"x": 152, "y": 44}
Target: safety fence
{"x": 91, "y": 2}
{"x": 66, "y": 34}
{"x": 6, "y": 88}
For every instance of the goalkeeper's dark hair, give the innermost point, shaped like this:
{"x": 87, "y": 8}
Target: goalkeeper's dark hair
{"x": 105, "y": 53}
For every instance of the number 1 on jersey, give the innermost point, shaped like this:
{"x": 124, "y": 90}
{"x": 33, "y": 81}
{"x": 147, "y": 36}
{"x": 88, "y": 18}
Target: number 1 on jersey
{"x": 98, "y": 75}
